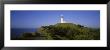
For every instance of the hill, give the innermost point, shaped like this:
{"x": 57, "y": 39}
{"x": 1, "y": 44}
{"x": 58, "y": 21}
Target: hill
{"x": 63, "y": 31}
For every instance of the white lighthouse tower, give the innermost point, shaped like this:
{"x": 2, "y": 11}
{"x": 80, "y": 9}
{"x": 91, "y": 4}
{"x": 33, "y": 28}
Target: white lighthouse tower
{"x": 62, "y": 21}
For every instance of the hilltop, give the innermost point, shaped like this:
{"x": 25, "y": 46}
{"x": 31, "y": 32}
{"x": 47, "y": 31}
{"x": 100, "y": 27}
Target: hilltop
{"x": 63, "y": 31}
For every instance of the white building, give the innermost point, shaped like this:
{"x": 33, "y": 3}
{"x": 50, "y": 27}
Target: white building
{"x": 62, "y": 19}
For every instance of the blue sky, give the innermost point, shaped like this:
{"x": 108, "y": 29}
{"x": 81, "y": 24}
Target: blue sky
{"x": 38, "y": 18}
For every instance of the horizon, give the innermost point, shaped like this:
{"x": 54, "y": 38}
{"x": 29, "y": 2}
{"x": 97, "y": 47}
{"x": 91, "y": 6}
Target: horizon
{"x": 38, "y": 18}
{"x": 57, "y": 23}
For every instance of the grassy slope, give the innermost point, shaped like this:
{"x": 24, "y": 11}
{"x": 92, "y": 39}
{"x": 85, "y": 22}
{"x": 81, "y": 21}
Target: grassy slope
{"x": 64, "y": 31}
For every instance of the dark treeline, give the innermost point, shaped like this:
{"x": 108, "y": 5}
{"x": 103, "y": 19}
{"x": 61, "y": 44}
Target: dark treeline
{"x": 62, "y": 31}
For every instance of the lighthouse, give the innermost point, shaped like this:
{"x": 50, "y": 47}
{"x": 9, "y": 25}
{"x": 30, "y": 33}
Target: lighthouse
{"x": 62, "y": 21}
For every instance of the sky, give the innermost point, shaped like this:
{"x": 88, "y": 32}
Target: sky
{"x": 38, "y": 18}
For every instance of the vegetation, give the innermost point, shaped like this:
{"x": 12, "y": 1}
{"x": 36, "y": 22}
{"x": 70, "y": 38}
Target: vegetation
{"x": 63, "y": 31}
